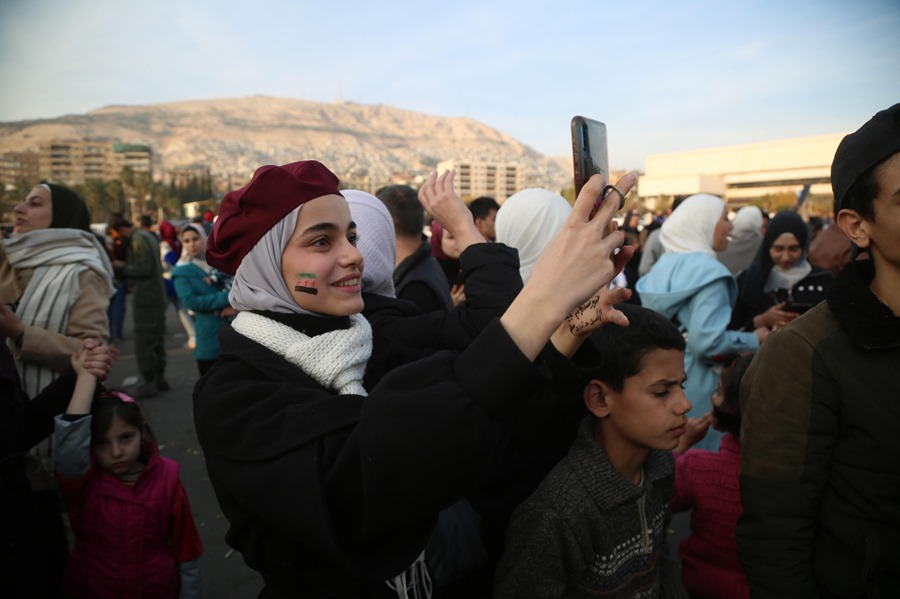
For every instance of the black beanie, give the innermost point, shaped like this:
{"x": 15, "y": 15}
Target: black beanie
{"x": 871, "y": 144}
{"x": 69, "y": 211}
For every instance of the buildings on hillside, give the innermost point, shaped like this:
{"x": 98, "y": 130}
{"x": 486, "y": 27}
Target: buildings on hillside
{"x": 742, "y": 173}
{"x": 498, "y": 180}
{"x": 73, "y": 162}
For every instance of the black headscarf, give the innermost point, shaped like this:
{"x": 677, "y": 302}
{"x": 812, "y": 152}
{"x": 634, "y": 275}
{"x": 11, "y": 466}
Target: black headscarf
{"x": 758, "y": 273}
{"x": 69, "y": 210}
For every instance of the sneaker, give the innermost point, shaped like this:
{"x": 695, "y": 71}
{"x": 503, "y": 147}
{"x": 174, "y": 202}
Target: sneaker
{"x": 146, "y": 390}
{"x": 162, "y": 384}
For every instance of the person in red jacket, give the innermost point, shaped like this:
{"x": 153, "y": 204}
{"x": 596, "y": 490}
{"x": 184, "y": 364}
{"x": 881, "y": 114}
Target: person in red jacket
{"x": 134, "y": 532}
{"x": 708, "y": 483}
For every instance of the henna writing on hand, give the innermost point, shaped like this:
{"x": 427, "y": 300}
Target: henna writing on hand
{"x": 585, "y": 316}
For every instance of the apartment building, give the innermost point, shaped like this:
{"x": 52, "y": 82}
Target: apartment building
{"x": 498, "y": 180}
{"x": 18, "y": 167}
{"x": 76, "y": 161}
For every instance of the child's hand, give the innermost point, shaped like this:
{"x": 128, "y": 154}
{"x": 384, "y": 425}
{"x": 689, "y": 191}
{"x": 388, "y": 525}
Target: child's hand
{"x": 98, "y": 358}
{"x": 77, "y": 361}
{"x": 696, "y": 430}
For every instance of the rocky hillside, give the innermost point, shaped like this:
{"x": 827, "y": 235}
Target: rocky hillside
{"x": 234, "y": 136}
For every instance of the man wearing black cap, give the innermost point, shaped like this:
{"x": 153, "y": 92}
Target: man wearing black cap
{"x": 820, "y": 463}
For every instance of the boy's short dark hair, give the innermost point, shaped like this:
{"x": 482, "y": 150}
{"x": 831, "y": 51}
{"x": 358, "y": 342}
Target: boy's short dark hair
{"x": 402, "y": 202}
{"x": 482, "y": 207}
{"x": 146, "y": 221}
{"x": 622, "y": 349}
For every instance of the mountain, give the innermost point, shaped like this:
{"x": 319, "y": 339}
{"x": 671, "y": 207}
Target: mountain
{"x": 232, "y": 137}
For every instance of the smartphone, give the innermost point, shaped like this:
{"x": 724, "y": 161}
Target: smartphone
{"x": 589, "y": 151}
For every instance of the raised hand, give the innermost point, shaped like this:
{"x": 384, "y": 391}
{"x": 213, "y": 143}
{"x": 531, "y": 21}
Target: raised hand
{"x": 440, "y": 200}
{"x": 577, "y": 262}
{"x": 600, "y": 309}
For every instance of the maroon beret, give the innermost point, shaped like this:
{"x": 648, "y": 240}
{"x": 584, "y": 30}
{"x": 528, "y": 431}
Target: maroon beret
{"x": 247, "y": 213}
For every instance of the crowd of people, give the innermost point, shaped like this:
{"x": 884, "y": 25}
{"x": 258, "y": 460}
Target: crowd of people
{"x": 402, "y": 394}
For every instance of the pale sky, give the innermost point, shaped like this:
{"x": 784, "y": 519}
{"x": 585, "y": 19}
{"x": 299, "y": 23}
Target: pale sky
{"x": 664, "y": 76}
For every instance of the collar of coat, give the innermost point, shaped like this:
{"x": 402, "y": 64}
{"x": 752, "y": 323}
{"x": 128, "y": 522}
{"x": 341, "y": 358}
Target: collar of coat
{"x": 870, "y": 324}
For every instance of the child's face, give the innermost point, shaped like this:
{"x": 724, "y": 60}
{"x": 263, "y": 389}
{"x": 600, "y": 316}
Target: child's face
{"x": 320, "y": 264}
{"x": 120, "y": 448}
{"x": 650, "y": 412}
{"x": 192, "y": 243}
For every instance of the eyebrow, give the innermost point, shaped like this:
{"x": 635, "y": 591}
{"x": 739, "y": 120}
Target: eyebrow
{"x": 320, "y": 227}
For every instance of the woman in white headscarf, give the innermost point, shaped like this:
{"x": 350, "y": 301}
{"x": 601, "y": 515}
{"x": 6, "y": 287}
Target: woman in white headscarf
{"x": 746, "y": 237}
{"x": 528, "y": 220}
{"x": 690, "y": 286}
{"x": 205, "y": 297}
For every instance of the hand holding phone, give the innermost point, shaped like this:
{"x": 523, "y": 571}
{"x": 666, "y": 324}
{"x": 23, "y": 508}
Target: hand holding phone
{"x": 589, "y": 150}
{"x": 590, "y": 156}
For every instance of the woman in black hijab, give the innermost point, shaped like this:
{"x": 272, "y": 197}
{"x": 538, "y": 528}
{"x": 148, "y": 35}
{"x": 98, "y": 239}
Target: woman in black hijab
{"x": 780, "y": 284}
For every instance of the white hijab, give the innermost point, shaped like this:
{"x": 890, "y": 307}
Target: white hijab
{"x": 376, "y": 242}
{"x": 528, "y": 220}
{"x": 258, "y": 283}
{"x": 692, "y": 226}
{"x": 199, "y": 260}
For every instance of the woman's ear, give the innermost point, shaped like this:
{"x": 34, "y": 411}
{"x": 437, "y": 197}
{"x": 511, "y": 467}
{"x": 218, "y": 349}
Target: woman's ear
{"x": 854, "y": 226}
{"x": 596, "y": 398}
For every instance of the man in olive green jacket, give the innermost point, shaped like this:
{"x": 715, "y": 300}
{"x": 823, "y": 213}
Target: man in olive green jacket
{"x": 144, "y": 273}
{"x": 820, "y": 459}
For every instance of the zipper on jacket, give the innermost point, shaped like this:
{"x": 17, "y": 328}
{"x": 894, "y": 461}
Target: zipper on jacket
{"x": 642, "y": 510}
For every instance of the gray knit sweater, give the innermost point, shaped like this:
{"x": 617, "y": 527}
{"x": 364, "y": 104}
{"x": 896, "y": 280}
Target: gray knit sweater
{"x": 588, "y": 532}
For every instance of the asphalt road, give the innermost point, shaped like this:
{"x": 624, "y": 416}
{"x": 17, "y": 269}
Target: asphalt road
{"x": 171, "y": 418}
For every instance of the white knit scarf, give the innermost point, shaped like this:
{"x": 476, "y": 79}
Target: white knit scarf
{"x": 58, "y": 257}
{"x": 336, "y": 360}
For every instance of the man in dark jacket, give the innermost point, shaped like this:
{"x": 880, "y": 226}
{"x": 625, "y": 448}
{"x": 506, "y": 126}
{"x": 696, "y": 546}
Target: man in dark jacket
{"x": 417, "y": 275}
{"x": 820, "y": 480}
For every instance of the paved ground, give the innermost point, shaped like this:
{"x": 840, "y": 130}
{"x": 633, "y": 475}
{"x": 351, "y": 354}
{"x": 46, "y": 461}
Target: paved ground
{"x": 171, "y": 418}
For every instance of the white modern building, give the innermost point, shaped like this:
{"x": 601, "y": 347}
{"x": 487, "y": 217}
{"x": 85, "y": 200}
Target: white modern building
{"x": 742, "y": 173}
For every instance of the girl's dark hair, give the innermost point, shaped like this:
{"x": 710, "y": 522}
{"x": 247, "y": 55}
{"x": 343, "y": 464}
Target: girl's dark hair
{"x": 621, "y": 349}
{"x": 108, "y": 405}
{"x": 728, "y": 415}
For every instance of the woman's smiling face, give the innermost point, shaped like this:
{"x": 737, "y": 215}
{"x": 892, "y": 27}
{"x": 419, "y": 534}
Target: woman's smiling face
{"x": 786, "y": 250}
{"x": 320, "y": 264}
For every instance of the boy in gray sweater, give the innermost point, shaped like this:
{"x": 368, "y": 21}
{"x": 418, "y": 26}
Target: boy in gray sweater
{"x": 596, "y": 526}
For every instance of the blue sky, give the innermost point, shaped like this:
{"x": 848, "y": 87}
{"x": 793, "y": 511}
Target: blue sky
{"x": 664, "y": 76}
